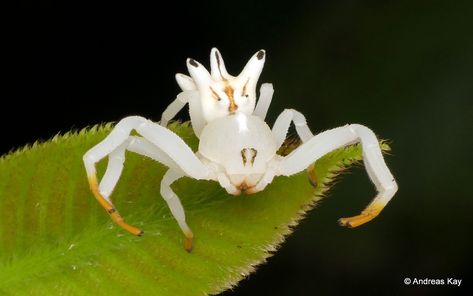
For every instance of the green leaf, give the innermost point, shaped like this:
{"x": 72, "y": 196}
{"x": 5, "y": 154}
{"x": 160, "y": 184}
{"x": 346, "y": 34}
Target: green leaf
{"x": 56, "y": 239}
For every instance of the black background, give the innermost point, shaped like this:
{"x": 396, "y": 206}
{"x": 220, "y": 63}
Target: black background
{"x": 403, "y": 68}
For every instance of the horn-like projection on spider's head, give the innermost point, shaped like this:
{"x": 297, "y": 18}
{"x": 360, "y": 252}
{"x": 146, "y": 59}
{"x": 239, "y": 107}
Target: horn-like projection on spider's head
{"x": 198, "y": 72}
{"x": 218, "y": 72}
{"x": 253, "y": 69}
{"x": 217, "y": 66}
{"x": 220, "y": 93}
{"x": 185, "y": 82}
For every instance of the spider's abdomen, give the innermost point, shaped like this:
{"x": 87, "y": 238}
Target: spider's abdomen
{"x": 242, "y": 144}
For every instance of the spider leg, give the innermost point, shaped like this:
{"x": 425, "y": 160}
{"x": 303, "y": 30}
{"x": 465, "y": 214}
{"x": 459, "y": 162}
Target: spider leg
{"x": 330, "y": 140}
{"x": 189, "y": 95}
{"x": 268, "y": 176}
{"x": 175, "y": 205}
{"x": 280, "y": 129}
{"x": 169, "y": 149}
{"x": 283, "y": 122}
{"x": 181, "y": 100}
{"x": 144, "y": 147}
{"x": 223, "y": 180}
{"x": 116, "y": 159}
{"x": 265, "y": 96}
{"x": 192, "y": 98}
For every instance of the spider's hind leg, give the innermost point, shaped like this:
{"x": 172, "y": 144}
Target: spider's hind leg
{"x": 368, "y": 214}
{"x": 283, "y": 122}
{"x": 378, "y": 173}
{"x": 327, "y": 141}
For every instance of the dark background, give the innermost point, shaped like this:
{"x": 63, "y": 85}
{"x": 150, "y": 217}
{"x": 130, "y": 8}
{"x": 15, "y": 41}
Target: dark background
{"x": 403, "y": 68}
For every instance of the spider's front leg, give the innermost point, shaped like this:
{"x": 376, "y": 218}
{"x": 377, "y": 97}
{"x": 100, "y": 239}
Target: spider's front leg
{"x": 327, "y": 141}
{"x": 281, "y": 128}
{"x": 271, "y": 172}
{"x": 266, "y": 92}
{"x": 283, "y": 122}
{"x": 157, "y": 143}
{"x": 189, "y": 95}
{"x": 279, "y": 131}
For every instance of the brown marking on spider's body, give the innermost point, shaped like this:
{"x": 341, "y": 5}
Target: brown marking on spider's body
{"x": 246, "y": 188}
{"x": 229, "y": 91}
{"x": 260, "y": 54}
{"x": 215, "y": 94}
{"x": 254, "y": 152}
{"x": 219, "y": 67}
{"x": 243, "y": 186}
{"x": 244, "y": 158}
{"x": 193, "y": 63}
{"x": 243, "y": 91}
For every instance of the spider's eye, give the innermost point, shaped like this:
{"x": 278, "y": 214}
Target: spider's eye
{"x": 244, "y": 94}
{"x": 215, "y": 95}
{"x": 244, "y": 90}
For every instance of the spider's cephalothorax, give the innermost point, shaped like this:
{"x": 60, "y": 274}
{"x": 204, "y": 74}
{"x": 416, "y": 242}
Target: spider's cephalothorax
{"x": 237, "y": 148}
{"x": 221, "y": 93}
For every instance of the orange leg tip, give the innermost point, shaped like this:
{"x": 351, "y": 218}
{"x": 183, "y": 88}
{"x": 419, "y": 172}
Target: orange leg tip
{"x": 355, "y": 221}
{"x": 133, "y": 230}
{"x": 312, "y": 176}
{"x": 120, "y": 222}
{"x": 367, "y": 215}
{"x": 188, "y": 243}
{"x": 313, "y": 181}
{"x": 344, "y": 222}
{"x": 111, "y": 210}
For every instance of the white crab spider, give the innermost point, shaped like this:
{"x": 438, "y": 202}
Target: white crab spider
{"x": 236, "y": 148}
